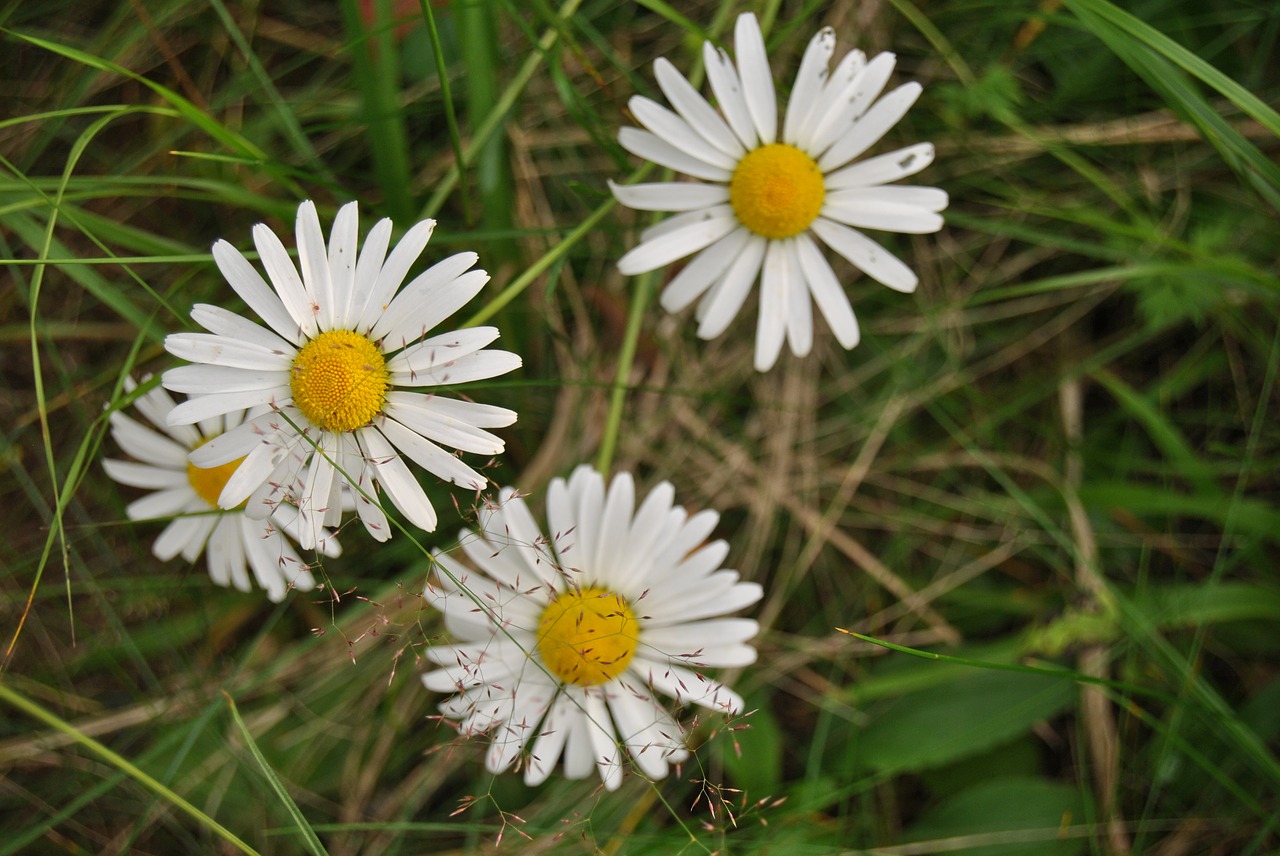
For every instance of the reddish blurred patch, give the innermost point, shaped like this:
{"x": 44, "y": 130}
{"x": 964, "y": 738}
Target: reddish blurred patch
{"x": 407, "y": 12}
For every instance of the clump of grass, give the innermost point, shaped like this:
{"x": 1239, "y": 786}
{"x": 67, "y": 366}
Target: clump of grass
{"x": 1017, "y": 546}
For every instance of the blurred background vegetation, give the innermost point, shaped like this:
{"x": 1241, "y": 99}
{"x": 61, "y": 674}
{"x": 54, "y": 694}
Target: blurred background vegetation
{"x": 1055, "y": 465}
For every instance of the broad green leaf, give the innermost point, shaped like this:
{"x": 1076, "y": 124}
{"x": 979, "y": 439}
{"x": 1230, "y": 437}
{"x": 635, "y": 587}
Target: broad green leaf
{"x": 1008, "y": 816}
{"x": 966, "y": 716}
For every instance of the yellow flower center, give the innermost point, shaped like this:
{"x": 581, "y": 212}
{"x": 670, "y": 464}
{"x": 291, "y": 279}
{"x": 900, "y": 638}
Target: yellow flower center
{"x": 588, "y": 637}
{"x": 208, "y": 483}
{"x": 339, "y": 380}
{"x": 776, "y": 191}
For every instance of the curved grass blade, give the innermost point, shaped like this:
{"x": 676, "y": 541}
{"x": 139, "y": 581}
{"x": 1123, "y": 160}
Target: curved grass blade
{"x": 35, "y": 711}
{"x": 304, "y": 828}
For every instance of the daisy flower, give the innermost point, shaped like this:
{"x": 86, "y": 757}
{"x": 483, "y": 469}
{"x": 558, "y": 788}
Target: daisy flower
{"x": 236, "y": 543}
{"x": 766, "y": 193}
{"x": 565, "y": 640}
{"x": 340, "y": 369}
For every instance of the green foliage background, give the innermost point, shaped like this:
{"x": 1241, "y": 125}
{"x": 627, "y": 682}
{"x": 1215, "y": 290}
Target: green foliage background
{"x": 1053, "y": 468}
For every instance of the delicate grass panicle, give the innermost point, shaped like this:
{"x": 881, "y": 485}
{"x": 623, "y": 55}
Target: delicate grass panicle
{"x": 1039, "y": 496}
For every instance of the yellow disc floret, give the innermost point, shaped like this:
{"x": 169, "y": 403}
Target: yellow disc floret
{"x": 339, "y": 380}
{"x": 208, "y": 483}
{"x": 776, "y": 191}
{"x": 587, "y": 637}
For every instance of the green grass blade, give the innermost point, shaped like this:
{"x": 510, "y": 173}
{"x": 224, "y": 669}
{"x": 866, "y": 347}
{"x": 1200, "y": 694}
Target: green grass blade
{"x": 374, "y": 58}
{"x": 35, "y": 711}
{"x": 299, "y": 820}
{"x": 1166, "y": 47}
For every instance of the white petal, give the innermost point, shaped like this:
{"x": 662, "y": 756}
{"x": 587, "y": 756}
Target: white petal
{"x": 255, "y": 292}
{"x": 929, "y": 199}
{"x": 873, "y": 125}
{"x": 156, "y": 405}
{"x": 440, "y": 350}
{"x": 368, "y": 266}
{"x": 652, "y": 148}
{"x": 687, "y": 686}
{"x": 426, "y": 420}
{"x": 205, "y": 379}
{"x": 809, "y": 83}
{"x": 882, "y": 216}
{"x": 799, "y": 310}
{"x": 721, "y": 594}
{"x": 431, "y": 297}
{"x": 396, "y": 480}
{"x": 850, "y": 103}
{"x": 239, "y": 442}
{"x": 667, "y": 126}
{"x": 549, "y": 743}
{"x": 215, "y": 404}
{"x": 649, "y": 533}
{"x": 826, "y": 291}
{"x": 587, "y": 495}
{"x": 392, "y": 274}
{"x": 470, "y": 412}
{"x": 728, "y": 91}
{"x": 163, "y": 503}
{"x": 830, "y": 100}
{"x": 284, "y": 277}
{"x": 144, "y": 476}
{"x": 649, "y": 732}
{"x": 429, "y": 456}
{"x": 371, "y": 514}
{"x": 579, "y": 749}
{"x": 771, "y": 327}
{"x": 223, "y": 322}
{"x": 608, "y": 756}
{"x": 723, "y": 302}
{"x": 147, "y": 445}
{"x": 264, "y": 548}
{"x": 314, "y": 262}
{"x": 694, "y": 109}
{"x": 343, "y": 239}
{"x": 687, "y": 640}
{"x": 664, "y": 249}
{"x": 515, "y": 536}
{"x": 866, "y": 255}
{"x": 670, "y": 196}
{"x": 184, "y": 535}
{"x": 881, "y": 169}
{"x": 614, "y": 526}
{"x": 314, "y": 499}
{"x": 757, "y": 80}
{"x": 477, "y": 366}
{"x": 698, "y": 275}
{"x": 257, "y": 467}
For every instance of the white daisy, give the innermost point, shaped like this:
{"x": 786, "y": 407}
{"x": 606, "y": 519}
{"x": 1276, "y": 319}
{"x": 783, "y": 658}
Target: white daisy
{"x": 565, "y": 640}
{"x": 764, "y": 196}
{"x": 189, "y": 495}
{"x": 338, "y": 368}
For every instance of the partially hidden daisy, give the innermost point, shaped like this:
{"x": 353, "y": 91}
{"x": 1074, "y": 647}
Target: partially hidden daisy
{"x": 565, "y": 639}
{"x": 347, "y": 372}
{"x": 765, "y": 193}
{"x": 235, "y": 543}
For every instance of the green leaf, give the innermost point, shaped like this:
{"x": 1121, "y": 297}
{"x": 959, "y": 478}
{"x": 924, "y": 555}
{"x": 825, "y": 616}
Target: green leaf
{"x": 754, "y": 761}
{"x": 966, "y": 716}
{"x": 1194, "y": 605}
{"x": 1008, "y": 816}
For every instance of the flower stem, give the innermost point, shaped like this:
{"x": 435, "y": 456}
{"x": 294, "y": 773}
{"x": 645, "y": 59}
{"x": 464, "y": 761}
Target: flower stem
{"x": 618, "y": 397}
